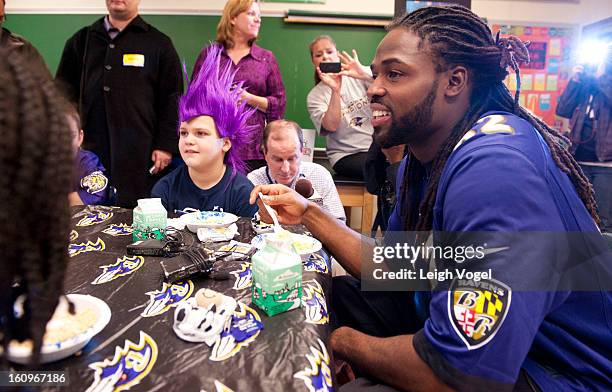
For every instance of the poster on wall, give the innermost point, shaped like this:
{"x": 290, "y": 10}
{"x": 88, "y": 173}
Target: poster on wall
{"x": 546, "y": 76}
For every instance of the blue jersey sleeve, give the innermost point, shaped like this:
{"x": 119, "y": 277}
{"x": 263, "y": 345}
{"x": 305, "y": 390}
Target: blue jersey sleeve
{"x": 93, "y": 184}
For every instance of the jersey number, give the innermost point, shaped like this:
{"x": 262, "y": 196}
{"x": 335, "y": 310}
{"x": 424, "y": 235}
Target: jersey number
{"x": 495, "y": 124}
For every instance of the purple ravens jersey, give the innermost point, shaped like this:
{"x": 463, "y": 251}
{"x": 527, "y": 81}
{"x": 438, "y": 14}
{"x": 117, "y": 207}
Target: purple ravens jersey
{"x": 480, "y": 334}
{"x": 91, "y": 183}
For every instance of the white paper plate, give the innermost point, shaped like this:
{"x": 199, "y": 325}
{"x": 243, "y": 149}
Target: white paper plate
{"x": 303, "y": 244}
{"x": 217, "y": 234}
{"x": 54, "y": 351}
{"x": 211, "y": 219}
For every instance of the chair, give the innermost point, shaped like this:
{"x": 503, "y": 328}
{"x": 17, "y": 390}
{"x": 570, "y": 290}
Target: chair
{"x": 353, "y": 193}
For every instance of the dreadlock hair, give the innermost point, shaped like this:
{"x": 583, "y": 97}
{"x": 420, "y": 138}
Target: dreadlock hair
{"x": 453, "y": 35}
{"x": 36, "y": 167}
{"x": 213, "y": 93}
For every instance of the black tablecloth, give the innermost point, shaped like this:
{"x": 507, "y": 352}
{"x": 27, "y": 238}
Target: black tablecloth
{"x": 287, "y": 354}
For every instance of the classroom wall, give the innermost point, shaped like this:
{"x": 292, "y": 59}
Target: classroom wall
{"x": 541, "y": 11}
{"x": 191, "y": 24}
{"x": 190, "y": 33}
{"x": 211, "y": 6}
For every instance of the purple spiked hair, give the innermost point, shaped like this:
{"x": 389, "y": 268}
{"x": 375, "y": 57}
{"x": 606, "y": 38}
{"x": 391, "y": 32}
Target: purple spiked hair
{"x": 213, "y": 93}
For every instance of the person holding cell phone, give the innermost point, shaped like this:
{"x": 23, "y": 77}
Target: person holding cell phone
{"x": 339, "y": 107}
{"x": 255, "y": 67}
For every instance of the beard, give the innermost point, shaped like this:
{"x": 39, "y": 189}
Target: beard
{"x": 402, "y": 130}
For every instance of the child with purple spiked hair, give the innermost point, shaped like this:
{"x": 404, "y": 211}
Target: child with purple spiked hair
{"x": 213, "y": 125}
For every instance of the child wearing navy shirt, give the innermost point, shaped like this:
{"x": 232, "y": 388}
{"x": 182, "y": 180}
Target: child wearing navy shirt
{"x": 90, "y": 185}
{"x": 212, "y": 129}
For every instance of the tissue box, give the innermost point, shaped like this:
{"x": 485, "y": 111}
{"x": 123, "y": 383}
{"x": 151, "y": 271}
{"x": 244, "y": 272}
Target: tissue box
{"x": 277, "y": 281}
{"x": 149, "y": 220}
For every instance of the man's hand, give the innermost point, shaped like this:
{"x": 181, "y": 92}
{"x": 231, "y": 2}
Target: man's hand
{"x": 395, "y": 362}
{"x": 290, "y": 207}
{"x": 160, "y": 159}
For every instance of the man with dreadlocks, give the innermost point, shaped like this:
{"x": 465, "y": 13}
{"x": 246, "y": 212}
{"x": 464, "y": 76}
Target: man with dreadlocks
{"x": 213, "y": 126}
{"x": 477, "y": 162}
{"x": 36, "y": 167}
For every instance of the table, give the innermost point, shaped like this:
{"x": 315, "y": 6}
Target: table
{"x": 288, "y": 354}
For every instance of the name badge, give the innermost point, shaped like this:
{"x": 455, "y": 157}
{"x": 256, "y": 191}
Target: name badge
{"x": 133, "y": 60}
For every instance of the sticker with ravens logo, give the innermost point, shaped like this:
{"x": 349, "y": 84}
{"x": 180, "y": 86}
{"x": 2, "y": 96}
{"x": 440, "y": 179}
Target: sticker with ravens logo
{"x": 244, "y": 276}
{"x": 123, "y": 266}
{"x": 317, "y": 376}
{"x": 94, "y": 217}
{"x": 94, "y": 182}
{"x": 83, "y": 247}
{"x": 315, "y": 305}
{"x": 130, "y": 364}
{"x": 168, "y": 296}
{"x": 117, "y": 230}
{"x": 477, "y": 309}
{"x": 244, "y": 327}
{"x": 316, "y": 263}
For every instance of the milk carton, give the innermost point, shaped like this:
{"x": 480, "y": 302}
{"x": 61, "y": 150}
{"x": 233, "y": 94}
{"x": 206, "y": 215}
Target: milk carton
{"x": 149, "y": 220}
{"x": 277, "y": 276}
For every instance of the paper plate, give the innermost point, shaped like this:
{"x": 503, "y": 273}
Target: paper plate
{"x": 211, "y": 219}
{"x": 303, "y": 244}
{"x": 68, "y": 345}
{"x": 217, "y": 234}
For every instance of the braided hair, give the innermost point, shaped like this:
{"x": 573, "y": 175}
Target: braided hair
{"x": 36, "y": 168}
{"x": 456, "y": 36}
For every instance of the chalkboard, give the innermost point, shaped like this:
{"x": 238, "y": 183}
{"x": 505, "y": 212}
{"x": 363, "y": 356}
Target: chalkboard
{"x": 288, "y": 41}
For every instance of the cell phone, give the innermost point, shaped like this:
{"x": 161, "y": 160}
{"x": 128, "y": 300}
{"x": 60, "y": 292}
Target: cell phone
{"x": 330, "y": 67}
